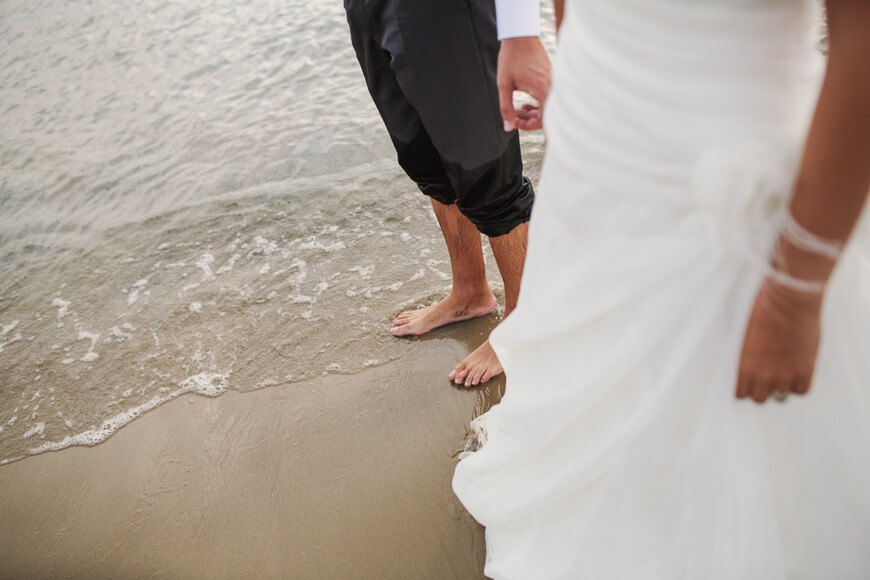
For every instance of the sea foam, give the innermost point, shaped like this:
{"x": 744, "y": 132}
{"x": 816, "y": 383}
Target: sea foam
{"x": 209, "y": 384}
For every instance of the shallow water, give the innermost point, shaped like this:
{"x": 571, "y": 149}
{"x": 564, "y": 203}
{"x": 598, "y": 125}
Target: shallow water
{"x": 193, "y": 197}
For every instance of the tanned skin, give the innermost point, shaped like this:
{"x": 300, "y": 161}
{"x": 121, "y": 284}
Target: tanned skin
{"x": 782, "y": 337}
{"x": 471, "y": 295}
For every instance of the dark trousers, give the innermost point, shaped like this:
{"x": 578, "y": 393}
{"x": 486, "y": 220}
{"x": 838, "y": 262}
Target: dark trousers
{"x": 430, "y": 67}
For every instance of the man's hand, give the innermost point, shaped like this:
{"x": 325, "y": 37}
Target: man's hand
{"x": 523, "y": 65}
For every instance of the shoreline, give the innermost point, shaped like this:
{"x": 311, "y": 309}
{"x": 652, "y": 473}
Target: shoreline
{"x": 342, "y": 475}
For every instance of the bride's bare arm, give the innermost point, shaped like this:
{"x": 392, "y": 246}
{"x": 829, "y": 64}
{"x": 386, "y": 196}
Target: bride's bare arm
{"x": 831, "y": 189}
{"x": 833, "y": 179}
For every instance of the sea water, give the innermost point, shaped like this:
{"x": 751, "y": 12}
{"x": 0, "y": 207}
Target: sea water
{"x": 194, "y": 197}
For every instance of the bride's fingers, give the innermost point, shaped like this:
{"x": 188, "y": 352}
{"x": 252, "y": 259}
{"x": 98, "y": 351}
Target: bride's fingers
{"x": 800, "y": 385}
{"x": 781, "y": 387}
{"x": 744, "y": 386}
{"x": 760, "y": 390}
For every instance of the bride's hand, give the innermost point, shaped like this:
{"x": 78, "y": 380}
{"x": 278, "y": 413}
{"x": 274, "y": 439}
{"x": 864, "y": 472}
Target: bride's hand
{"x": 831, "y": 186}
{"x": 780, "y": 344}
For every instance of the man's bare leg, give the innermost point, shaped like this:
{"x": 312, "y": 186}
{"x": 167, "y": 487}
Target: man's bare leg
{"x": 471, "y": 295}
{"x": 510, "y": 255}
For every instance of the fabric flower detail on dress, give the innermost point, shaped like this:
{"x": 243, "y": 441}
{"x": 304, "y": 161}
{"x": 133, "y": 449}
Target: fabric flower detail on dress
{"x": 744, "y": 190}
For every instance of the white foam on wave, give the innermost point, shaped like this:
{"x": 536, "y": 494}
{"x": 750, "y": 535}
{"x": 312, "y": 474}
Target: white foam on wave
{"x": 264, "y": 246}
{"x": 317, "y": 245}
{"x": 94, "y": 338}
{"x": 7, "y": 328}
{"x": 119, "y": 334}
{"x": 440, "y": 273}
{"x": 62, "y": 307}
{"x": 365, "y": 272}
{"x": 204, "y": 263}
{"x": 209, "y": 384}
{"x": 37, "y": 429}
{"x": 135, "y": 290}
{"x": 229, "y": 264}
{"x": 299, "y": 298}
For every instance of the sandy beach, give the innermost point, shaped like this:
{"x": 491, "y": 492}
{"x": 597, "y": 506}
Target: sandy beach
{"x": 204, "y": 238}
{"x": 341, "y": 476}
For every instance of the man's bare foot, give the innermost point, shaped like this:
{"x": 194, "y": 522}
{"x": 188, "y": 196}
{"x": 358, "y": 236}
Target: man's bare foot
{"x": 452, "y": 309}
{"x": 478, "y": 367}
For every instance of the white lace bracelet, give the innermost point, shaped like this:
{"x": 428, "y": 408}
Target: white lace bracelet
{"x": 808, "y": 241}
{"x": 799, "y": 284}
{"x": 800, "y": 237}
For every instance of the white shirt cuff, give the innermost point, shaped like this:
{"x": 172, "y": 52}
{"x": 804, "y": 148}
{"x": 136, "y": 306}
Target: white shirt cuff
{"x": 517, "y": 18}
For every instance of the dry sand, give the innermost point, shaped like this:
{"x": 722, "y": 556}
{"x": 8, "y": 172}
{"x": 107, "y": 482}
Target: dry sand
{"x": 341, "y": 476}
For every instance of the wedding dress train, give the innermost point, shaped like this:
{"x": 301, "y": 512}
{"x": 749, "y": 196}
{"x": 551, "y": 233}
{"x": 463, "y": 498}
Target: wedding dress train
{"x": 619, "y": 450}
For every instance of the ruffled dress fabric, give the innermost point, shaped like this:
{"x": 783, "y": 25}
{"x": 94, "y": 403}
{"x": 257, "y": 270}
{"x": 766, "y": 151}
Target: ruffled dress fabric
{"x": 618, "y": 450}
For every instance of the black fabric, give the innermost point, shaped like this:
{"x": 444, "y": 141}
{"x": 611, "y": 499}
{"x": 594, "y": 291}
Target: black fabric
{"x": 430, "y": 68}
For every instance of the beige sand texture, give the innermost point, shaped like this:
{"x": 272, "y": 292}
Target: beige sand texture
{"x": 342, "y": 476}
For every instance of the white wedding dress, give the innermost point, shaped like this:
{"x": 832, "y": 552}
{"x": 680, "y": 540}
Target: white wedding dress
{"x": 619, "y": 450}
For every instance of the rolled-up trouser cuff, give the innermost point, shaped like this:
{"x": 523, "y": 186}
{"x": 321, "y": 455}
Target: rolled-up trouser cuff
{"x": 441, "y": 192}
{"x": 449, "y": 136}
{"x": 501, "y": 218}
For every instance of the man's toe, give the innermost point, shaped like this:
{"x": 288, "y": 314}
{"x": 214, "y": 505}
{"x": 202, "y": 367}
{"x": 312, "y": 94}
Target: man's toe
{"x": 400, "y": 329}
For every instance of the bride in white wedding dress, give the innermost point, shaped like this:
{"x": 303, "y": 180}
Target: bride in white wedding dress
{"x": 691, "y": 210}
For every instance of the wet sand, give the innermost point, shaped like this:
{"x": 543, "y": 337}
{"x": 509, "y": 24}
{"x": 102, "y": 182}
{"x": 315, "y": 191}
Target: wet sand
{"x": 341, "y": 476}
